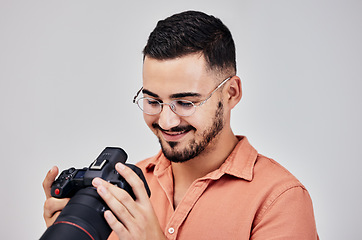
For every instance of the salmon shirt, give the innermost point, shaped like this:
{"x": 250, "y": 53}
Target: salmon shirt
{"x": 249, "y": 197}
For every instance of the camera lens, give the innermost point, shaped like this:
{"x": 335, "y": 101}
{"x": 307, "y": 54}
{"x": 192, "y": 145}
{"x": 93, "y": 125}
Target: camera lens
{"x": 81, "y": 219}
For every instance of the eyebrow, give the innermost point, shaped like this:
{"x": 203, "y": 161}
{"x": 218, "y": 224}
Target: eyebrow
{"x": 173, "y": 96}
{"x": 145, "y": 91}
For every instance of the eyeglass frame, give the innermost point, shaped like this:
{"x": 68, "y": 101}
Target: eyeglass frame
{"x": 171, "y": 106}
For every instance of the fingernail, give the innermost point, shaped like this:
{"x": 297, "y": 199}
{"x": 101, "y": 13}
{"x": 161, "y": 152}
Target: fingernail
{"x": 96, "y": 182}
{"x": 52, "y": 169}
{"x": 120, "y": 166}
{"x": 108, "y": 215}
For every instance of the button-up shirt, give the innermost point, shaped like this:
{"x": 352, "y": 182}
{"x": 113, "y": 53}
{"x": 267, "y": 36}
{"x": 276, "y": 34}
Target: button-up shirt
{"x": 249, "y": 197}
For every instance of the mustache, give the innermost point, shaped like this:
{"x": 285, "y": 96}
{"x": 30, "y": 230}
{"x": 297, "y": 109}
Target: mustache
{"x": 174, "y": 129}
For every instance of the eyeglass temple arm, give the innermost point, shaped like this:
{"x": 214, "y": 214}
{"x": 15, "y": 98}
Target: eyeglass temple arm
{"x": 218, "y": 86}
{"x": 134, "y": 98}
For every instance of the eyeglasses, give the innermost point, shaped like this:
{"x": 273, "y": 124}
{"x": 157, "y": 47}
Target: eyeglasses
{"x": 181, "y": 107}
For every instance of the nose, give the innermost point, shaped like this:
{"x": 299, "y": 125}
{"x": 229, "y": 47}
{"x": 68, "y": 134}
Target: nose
{"x": 167, "y": 118}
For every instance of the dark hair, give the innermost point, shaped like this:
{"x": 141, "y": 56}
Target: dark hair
{"x": 193, "y": 32}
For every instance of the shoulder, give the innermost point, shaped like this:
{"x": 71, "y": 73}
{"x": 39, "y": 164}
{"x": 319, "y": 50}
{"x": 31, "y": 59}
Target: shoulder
{"x": 277, "y": 184}
{"x": 284, "y": 202}
{"x": 270, "y": 172}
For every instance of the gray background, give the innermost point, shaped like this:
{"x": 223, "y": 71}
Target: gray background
{"x": 69, "y": 70}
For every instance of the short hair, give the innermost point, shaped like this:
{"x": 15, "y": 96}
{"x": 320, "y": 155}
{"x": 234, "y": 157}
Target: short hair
{"x": 193, "y": 32}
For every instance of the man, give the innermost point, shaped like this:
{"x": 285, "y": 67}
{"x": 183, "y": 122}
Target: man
{"x": 206, "y": 183}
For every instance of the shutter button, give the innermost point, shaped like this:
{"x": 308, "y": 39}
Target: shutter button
{"x": 171, "y": 230}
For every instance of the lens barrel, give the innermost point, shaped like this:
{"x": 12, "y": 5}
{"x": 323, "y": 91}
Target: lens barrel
{"x": 81, "y": 219}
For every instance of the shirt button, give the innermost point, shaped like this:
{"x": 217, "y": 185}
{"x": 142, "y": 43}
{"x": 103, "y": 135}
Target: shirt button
{"x": 171, "y": 230}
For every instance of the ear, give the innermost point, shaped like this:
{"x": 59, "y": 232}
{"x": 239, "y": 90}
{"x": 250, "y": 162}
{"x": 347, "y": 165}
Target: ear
{"x": 234, "y": 92}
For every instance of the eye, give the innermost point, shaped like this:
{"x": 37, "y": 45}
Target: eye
{"x": 183, "y": 103}
{"x": 151, "y": 101}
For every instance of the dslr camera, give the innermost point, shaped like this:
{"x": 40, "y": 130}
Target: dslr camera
{"x": 83, "y": 217}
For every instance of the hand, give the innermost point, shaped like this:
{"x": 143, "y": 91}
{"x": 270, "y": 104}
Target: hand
{"x": 52, "y": 206}
{"x": 136, "y": 218}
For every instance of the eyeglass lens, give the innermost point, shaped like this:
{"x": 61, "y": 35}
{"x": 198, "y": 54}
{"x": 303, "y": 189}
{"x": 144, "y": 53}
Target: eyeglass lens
{"x": 152, "y": 106}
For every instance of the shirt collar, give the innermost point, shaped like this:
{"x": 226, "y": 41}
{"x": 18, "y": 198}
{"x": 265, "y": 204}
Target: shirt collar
{"x": 240, "y": 162}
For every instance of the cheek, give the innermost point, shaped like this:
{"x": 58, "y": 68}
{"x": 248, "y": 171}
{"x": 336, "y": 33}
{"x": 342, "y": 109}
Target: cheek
{"x": 199, "y": 121}
{"x": 149, "y": 120}
{"x": 205, "y": 118}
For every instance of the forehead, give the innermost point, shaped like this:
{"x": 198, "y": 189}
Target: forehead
{"x": 184, "y": 74}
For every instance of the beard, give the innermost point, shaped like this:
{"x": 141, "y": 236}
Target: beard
{"x": 194, "y": 147}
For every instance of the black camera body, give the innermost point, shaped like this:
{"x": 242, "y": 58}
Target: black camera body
{"x": 83, "y": 217}
{"x": 72, "y": 180}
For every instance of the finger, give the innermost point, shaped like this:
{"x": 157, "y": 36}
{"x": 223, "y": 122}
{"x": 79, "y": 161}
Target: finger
{"x": 50, "y": 221}
{"x": 53, "y": 205}
{"x": 52, "y": 208}
{"x": 119, "y": 194}
{"x": 134, "y": 181}
{"x": 116, "y": 226}
{"x": 119, "y": 202}
{"x": 49, "y": 179}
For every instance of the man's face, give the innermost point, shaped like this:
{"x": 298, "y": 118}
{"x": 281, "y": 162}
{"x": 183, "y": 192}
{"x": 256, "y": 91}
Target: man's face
{"x": 183, "y": 138}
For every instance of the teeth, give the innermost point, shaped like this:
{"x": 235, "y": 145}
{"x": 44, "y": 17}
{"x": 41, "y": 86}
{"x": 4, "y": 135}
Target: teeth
{"x": 174, "y": 134}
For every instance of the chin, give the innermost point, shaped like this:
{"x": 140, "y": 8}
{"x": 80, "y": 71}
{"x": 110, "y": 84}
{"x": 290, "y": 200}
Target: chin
{"x": 174, "y": 152}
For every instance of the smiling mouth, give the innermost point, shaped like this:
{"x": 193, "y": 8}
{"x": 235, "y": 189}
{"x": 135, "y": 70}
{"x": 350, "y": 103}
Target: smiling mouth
{"x": 174, "y": 134}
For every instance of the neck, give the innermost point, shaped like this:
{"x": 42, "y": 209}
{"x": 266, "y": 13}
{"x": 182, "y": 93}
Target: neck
{"x": 210, "y": 159}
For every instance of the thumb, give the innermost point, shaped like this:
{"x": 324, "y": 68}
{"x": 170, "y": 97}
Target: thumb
{"x": 49, "y": 179}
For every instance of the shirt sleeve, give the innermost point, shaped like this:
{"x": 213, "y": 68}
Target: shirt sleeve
{"x": 289, "y": 216}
